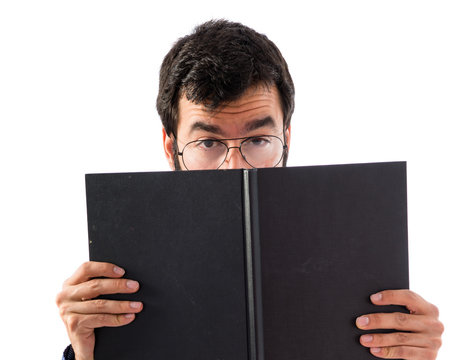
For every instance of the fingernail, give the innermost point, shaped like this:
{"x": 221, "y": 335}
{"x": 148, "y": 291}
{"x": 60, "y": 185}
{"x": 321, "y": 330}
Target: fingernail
{"x": 129, "y": 316}
{"x": 135, "y": 305}
{"x": 376, "y": 350}
{"x": 118, "y": 270}
{"x": 362, "y": 321}
{"x": 131, "y": 284}
{"x": 367, "y": 338}
{"x": 376, "y": 297}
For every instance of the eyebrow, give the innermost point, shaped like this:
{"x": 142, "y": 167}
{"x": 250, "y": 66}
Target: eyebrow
{"x": 257, "y": 124}
{"x": 199, "y": 125}
{"x": 250, "y": 126}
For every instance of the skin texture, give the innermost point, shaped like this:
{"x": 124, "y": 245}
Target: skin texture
{"x": 418, "y": 334}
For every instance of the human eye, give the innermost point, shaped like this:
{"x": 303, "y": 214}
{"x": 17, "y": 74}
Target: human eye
{"x": 207, "y": 144}
{"x": 259, "y": 141}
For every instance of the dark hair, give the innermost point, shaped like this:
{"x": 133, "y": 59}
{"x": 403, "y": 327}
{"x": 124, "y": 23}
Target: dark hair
{"x": 216, "y": 64}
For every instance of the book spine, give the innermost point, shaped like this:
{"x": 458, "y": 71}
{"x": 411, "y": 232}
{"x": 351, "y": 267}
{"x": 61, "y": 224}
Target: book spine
{"x": 253, "y": 265}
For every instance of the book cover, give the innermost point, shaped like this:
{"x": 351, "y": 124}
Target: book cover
{"x": 250, "y": 264}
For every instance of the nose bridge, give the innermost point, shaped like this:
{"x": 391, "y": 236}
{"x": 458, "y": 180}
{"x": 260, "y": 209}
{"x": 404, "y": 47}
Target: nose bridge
{"x": 234, "y": 158}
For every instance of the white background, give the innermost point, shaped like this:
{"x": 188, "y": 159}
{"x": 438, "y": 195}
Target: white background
{"x": 375, "y": 81}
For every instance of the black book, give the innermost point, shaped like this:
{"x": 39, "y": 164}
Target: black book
{"x": 256, "y": 264}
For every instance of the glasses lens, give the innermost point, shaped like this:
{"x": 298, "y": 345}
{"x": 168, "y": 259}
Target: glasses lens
{"x": 263, "y": 151}
{"x": 204, "y": 154}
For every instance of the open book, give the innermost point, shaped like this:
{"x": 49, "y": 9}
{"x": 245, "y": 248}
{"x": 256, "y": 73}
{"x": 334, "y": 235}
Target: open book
{"x": 256, "y": 264}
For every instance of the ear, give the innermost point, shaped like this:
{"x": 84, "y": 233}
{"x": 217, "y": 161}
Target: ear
{"x": 168, "y": 143}
{"x": 287, "y": 134}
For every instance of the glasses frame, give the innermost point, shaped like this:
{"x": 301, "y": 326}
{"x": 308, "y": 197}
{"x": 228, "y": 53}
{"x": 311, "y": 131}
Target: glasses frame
{"x": 244, "y": 139}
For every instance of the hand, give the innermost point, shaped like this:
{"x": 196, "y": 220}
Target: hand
{"x": 81, "y": 314}
{"x": 421, "y": 338}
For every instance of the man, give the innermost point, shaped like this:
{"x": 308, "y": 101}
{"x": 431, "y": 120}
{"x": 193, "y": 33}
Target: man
{"x": 225, "y": 100}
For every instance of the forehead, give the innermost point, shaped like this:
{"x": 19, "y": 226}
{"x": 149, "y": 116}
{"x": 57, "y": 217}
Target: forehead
{"x": 232, "y": 118}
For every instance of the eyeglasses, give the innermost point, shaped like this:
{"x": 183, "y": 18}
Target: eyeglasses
{"x": 209, "y": 154}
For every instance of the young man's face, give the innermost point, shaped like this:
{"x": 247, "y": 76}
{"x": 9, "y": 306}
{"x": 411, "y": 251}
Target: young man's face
{"x": 257, "y": 113}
